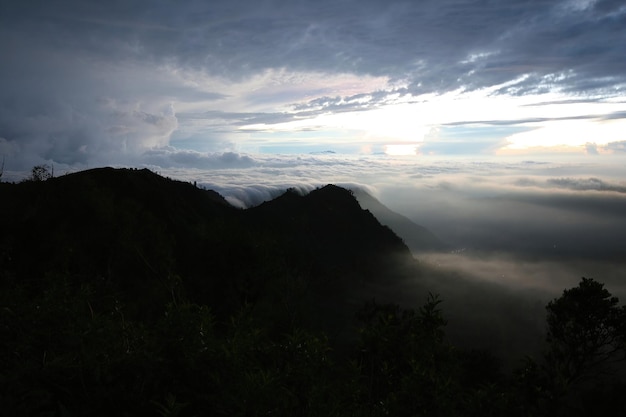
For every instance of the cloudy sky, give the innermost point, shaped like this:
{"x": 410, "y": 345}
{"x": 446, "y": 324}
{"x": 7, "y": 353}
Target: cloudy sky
{"x": 198, "y": 84}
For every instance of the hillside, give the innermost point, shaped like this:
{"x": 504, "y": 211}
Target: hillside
{"x": 141, "y": 234}
{"x": 418, "y": 238}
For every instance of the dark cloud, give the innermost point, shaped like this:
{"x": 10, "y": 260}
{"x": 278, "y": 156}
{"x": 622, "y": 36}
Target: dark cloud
{"x": 169, "y": 157}
{"x": 579, "y": 184}
{"x": 586, "y": 184}
{"x": 437, "y": 44}
{"x": 515, "y": 122}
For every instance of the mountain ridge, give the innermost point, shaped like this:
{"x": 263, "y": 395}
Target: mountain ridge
{"x": 140, "y": 233}
{"x": 418, "y": 238}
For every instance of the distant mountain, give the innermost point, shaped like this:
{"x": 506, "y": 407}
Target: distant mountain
{"x": 328, "y": 152}
{"x": 416, "y": 237}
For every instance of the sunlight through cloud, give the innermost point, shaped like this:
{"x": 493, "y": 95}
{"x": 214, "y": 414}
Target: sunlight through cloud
{"x": 574, "y": 134}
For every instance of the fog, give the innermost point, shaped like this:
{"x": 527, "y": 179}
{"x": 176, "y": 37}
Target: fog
{"x": 527, "y": 230}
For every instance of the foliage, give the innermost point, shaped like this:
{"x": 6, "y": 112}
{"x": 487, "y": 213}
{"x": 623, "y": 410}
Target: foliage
{"x": 41, "y": 173}
{"x": 582, "y": 369}
{"x": 585, "y": 331}
{"x": 586, "y": 338}
{"x": 405, "y": 362}
{"x": 72, "y": 348}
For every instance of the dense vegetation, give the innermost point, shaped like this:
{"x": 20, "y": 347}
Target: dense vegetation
{"x": 125, "y": 293}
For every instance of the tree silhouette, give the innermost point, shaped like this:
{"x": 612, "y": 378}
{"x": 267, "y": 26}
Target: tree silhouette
{"x": 585, "y": 333}
{"x": 407, "y": 366}
{"x": 41, "y": 173}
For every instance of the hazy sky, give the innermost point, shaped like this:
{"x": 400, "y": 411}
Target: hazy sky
{"x": 198, "y": 84}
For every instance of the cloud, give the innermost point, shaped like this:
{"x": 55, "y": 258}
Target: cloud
{"x": 579, "y": 184}
{"x": 586, "y": 184}
{"x": 225, "y": 66}
{"x": 591, "y": 148}
{"x": 617, "y": 146}
{"x": 78, "y": 135}
{"x": 238, "y": 119}
{"x": 248, "y": 181}
{"x": 169, "y": 157}
{"x": 434, "y": 44}
{"x": 250, "y": 196}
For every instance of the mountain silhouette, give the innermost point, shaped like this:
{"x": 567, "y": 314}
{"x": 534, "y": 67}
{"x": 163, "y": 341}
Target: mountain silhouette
{"x": 148, "y": 239}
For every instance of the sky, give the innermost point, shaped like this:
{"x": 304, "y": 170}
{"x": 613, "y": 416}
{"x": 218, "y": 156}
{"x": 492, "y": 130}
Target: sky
{"x": 198, "y": 84}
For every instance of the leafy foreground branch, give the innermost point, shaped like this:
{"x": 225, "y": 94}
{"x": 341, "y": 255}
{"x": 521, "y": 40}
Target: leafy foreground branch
{"x": 71, "y": 350}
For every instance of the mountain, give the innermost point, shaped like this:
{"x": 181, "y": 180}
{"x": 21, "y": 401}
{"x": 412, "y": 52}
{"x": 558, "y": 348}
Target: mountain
{"x": 329, "y": 224}
{"x": 418, "y": 238}
{"x": 147, "y": 239}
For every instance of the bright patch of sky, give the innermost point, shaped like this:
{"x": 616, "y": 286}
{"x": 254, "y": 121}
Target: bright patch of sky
{"x": 404, "y": 124}
{"x": 568, "y": 136}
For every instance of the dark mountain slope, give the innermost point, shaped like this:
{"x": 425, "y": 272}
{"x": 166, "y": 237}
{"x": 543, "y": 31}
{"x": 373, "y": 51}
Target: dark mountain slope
{"x": 336, "y": 253}
{"x": 329, "y": 227}
{"x": 417, "y": 238}
{"x": 147, "y": 239}
{"x": 130, "y": 231}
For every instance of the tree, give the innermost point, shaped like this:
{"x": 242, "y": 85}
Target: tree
{"x": 41, "y": 173}
{"x": 586, "y": 333}
{"x": 407, "y": 366}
